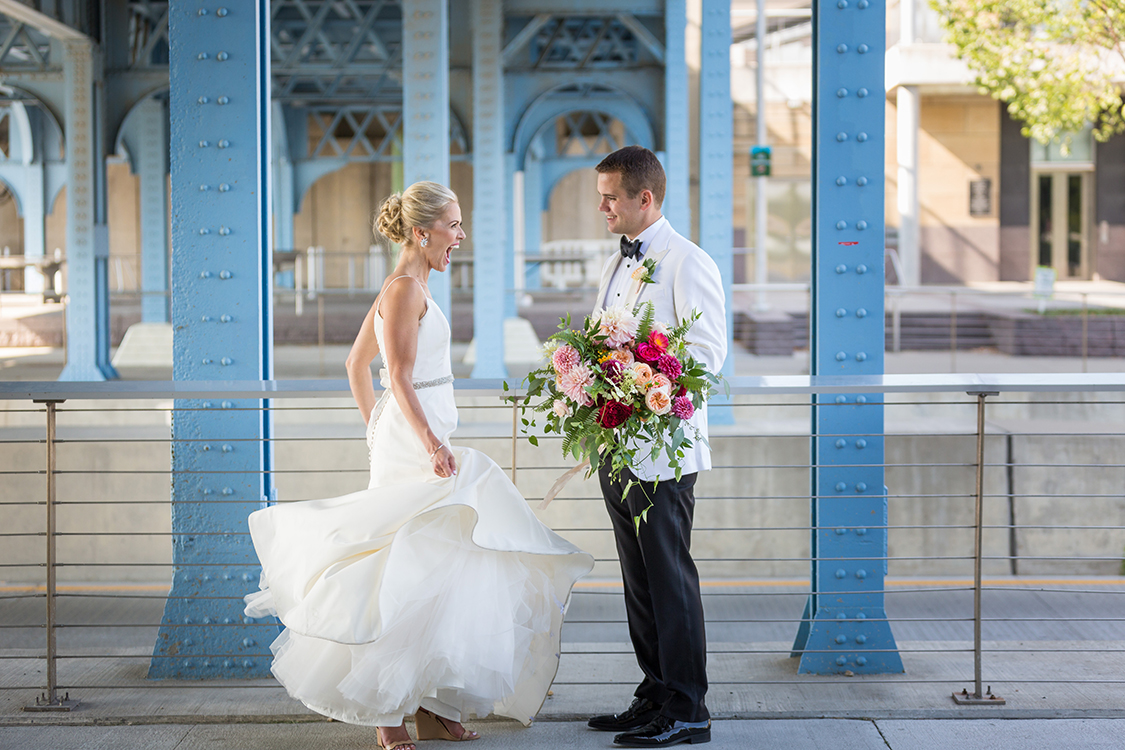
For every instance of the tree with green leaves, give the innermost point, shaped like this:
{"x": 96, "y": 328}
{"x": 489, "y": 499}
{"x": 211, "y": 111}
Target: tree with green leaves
{"x": 1053, "y": 62}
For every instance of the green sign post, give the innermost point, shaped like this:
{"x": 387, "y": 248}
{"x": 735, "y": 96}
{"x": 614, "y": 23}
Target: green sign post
{"x": 760, "y": 161}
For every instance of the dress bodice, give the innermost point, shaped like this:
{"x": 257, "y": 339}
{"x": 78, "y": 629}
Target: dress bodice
{"x": 432, "y": 358}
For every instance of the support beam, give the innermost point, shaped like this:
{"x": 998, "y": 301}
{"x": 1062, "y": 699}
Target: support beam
{"x": 221, "y": 317}
{"x": 87, "y": 352}
{"x": 425, "y": 68}
{"x": 152, "y": 166}
{"x": 490, "y": 217}
{"x": 716, "y": 181}
{"x": 676, "y": 157}
{"x": 907, "y": 121}
{"x": 844, "y": 627}
{"x": 283, "y": 200}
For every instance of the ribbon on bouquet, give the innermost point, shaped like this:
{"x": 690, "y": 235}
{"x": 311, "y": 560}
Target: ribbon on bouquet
{"x": 557, "y": 487}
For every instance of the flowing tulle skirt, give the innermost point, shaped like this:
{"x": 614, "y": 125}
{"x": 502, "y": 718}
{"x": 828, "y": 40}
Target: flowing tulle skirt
{"x": 443, "y": 593}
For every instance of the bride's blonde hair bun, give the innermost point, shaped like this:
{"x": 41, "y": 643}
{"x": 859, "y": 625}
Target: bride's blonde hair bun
{"x": 420, "y": 205}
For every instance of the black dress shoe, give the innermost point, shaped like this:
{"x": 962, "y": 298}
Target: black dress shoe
{"x": 634, "y": 717}
{"x": 662, "y": 731}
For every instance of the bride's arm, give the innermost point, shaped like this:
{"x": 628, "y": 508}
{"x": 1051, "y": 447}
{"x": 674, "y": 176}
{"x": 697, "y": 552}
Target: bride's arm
{"x": 358, "y": 365}
{"x": 402, "y": 307}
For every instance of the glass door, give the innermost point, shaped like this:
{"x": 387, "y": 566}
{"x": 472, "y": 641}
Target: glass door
{"x": 1060, "y": 213}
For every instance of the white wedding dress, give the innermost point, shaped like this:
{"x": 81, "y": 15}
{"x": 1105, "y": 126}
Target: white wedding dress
{"x": 444, "y": 593}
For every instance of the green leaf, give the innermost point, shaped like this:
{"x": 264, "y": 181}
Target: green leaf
{"x": 533, "y": 440}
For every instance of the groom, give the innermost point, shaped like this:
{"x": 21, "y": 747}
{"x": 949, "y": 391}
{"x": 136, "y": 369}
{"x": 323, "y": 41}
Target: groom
{"x": 661, "y": 583}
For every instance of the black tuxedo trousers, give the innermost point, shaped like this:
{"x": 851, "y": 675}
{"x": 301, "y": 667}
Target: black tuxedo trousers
{"x": 662, "y": 597}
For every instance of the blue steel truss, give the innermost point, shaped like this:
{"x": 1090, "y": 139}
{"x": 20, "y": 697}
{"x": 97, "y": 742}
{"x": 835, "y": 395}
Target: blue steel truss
{"x": 844, "y": 626}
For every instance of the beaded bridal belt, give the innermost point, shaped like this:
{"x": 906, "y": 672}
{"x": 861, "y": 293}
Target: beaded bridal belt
{"x": 385, "y": 381}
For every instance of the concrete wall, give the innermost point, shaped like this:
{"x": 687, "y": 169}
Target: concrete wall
{"x": 1060, "y": 478}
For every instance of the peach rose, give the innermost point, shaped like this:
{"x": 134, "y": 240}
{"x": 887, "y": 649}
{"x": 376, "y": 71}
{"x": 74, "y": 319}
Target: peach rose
{"x": 658, "y": 401}
{"x": 661, "y": 381}
{"x": 642, "y": 374}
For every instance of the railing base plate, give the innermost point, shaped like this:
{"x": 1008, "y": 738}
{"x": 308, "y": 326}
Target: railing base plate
{"x": 43, "y": 703}
{"x": 965, "y": 698}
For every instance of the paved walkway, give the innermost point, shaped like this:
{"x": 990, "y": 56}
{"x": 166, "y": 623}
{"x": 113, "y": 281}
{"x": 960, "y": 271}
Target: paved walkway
{"x": 838, "y": 734}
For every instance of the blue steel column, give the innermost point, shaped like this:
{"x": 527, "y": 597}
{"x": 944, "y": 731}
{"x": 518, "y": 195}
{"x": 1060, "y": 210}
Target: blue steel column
{"x": 677, "y": 196}
{"x": 848, "y": 629}
{"x": 221, "y": 316}
{"x": 716, "y": 172}
{"x": 152, "y": 164}
{"x": 489, "y": 215}
{"x": 533, "y": 214}
{"x": 84, "y": 313}
{"x": 425, "y": 73}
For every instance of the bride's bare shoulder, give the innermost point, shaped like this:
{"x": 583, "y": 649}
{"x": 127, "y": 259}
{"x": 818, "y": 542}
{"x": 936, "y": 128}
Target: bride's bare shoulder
{"x": 402, "y": 300}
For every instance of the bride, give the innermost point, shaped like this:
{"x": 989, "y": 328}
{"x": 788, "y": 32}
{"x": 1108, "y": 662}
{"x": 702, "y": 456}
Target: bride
{"x": 436, "y": 591}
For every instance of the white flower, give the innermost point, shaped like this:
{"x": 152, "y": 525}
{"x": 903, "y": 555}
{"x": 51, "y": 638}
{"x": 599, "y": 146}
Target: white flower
{"x": 618, "y": 325}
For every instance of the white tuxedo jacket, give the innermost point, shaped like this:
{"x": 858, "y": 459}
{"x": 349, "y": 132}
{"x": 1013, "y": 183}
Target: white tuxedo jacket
{"x": 686, "y": 279}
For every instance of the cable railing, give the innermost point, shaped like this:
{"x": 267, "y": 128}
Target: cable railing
{"x": 1005, "y": 527}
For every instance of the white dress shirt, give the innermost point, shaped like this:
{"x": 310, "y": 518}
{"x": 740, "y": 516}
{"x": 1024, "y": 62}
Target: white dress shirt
{"x": 619, "y": 284}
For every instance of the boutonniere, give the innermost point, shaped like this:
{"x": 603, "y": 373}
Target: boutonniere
{"x": 644, "y": 272}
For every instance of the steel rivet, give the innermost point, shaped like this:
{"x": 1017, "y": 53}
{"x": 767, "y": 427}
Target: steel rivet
{"x": 248, "y": 577}
{"x": 841, "y": 225}
{"x": 841, "y": 532}
{"x": 206, "y": 404}
{"x": 861, "y": 137}
{"x": 224, "y": 231}
{"x": 202, "y": 56}
{"x": 860, "y": 615}
{"x": 188, "y": 664}
{"x": 841, "y": 181}
{"x": 206, "y": 360}
{"x": 861, "y": 181}
{"x": 861, "y": 269}
{"x": 861, "y": 313}
{"x": 842, "y": 48}
{"x": 204, "y": 188}
{"x": 187, "y": 621}
{"x": 246, "y": 664}
{"x": 861, "y": 399}
{"x": 226, "y": 99}
{"x": 841, "y": 615}
{"x": 227, "y": 448}
{"x": 205, "y": 274}
{"x": 860, "y": 357}
{"x": 221, "y": 12}
{"x": 841, "y": 268}
{"x": 223, "y": 55}
{"x": 202, "y": 11}
{"x": 206, "y": 620}
{"x": 861, "y": 639}
{"x": 228, "y": 404}
{"x": 861, "y": 532}
{"x": 227, "y": 621}
{"x": 841, "y": 312}
{"x": 841, "y": 639}
{"x": 204, "y": 144}
{"x": 861, "y": 661}
{"x": 227, "y": 576}
{"x": 862, "y": 49}
{"x": 861, "y": 444}
{"x": 227, "y": 663}
{"x": 204, "y": 99}
{"x": 224, "y": 319}
{"x": 248, "y": 642}
{"x": 841, "y": 573}
{"x": 841, "y": 661}
{"x": 206, "y": 448}
{"x": 205, "y": 492}
{"x": 841, "y": 399}
{"x": 860, "y": 486}
{"x": 840, "y": 486}
{"x": 842, "y": 4}
{"x": 224, "y": 143}
{"x": 223, "y": 187}
{"x": 841, "y": 93}
{"x": 862, "y": 4}
{"x": 228, "y": 491}
{"x": 189, "y": 642}
{"x": 861, "y": 225}
{"x": 206, "y": 663}
{"x": 224, "y": 274}
{"x": 860, "y": 93}
{"x": 841, "y": 137}
{"x": 841, "y": 443}
{"x": 225, "y": 361}
{"x": 861, "y": 574}
{"x": 841, "y": 356}
{"x": 204, "y": 230}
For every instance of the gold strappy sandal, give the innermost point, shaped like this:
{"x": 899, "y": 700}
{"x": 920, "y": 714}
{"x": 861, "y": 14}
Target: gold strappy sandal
{"x": 430, "y": 727}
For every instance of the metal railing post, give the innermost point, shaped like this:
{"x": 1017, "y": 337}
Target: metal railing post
{"x": 978, "y": 695}
{"x": 515, "y": 433}
{"x": 1085, "y": 330}
{"x": 50, "y": 700}
{"x": 953, "y": 331}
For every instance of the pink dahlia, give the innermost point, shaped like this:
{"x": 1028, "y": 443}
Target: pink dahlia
{"x": 565, "y": 358}
{"x": 574, "y": 382}
{"x": 670, "y": 366}
{"x": 682, "y": 407}
{"x": 618, "y": 325}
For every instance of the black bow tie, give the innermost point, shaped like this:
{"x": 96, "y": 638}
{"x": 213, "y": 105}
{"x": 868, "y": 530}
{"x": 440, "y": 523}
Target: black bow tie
{"x": 630, "y": 249}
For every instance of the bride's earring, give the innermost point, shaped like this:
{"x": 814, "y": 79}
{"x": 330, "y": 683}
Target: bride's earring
{"x": 425, "y": 241}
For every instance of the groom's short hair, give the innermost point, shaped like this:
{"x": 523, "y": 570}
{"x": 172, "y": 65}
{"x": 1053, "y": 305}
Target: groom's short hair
{"x": 639, "y": 169}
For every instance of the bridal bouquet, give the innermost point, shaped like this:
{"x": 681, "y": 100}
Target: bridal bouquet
{"x": 621, "y": 381}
